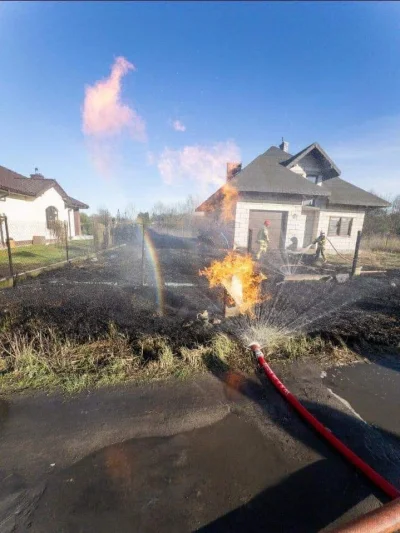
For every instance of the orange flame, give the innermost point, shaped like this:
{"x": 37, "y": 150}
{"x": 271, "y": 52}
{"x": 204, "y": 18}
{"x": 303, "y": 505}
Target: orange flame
{"x": 240, "y": 268}
{"x": 229, "y": 200}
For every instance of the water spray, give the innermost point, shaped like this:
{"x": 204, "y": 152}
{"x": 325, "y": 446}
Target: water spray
{"x": 389, "y": 489}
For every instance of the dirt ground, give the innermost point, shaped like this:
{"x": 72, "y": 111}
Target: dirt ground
{"x": 210, "y": 454}
{"x": 224, "y": 443}
{"x": 82, "y": 299}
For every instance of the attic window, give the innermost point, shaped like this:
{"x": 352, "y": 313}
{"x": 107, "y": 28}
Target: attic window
{"x": 51, "y": 216}
{"x": 309, "y": 203}
{"x": 340, "y": 226}
{"x": 312, "y": 178}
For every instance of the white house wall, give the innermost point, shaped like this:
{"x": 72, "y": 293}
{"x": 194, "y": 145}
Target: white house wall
{"x": 27, "y": 216}
{"x": 295, "y": 222}
{"x": 297, "y": 169}
{"x": 310, "y": 165}
{"x": 71, "y": 223}
{"x": 345, "y": 243}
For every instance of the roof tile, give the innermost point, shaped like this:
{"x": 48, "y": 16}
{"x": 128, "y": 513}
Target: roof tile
{"x": 13, "y": 182}
{"x": 268, "y": 174}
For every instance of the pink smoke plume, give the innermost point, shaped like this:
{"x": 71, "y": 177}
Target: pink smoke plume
{"x": 105, "y": 117}
{"x": 103, "y": 114}
{"x": 205, "y": 165}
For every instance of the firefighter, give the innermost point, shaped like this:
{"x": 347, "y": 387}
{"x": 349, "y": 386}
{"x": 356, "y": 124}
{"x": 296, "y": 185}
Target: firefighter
{"x": 263, "y": 239}
{"x": 321, "y": 243}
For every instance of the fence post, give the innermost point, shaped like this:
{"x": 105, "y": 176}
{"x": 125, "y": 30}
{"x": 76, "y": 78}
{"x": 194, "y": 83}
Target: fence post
{"x": 95, "y": 230}
{"x": 143, "y": 232}
{"x": 10, "y": 263}
{"x": 357, "y": 249}
{"x": 66, "y": 240}
{"x": 249, "y": 240}
{"x": 224, "y": 300}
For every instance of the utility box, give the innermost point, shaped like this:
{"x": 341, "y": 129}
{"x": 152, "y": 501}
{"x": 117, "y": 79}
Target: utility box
{"x": 38, "y": 239}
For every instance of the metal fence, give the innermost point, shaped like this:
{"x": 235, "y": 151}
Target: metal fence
{"x": 26, "y": 246}
{"x": 29, "y": 246}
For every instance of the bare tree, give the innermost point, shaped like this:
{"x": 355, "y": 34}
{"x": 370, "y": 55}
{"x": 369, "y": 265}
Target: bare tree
{"x": 384, "y": 222}
{"x": 130, "y": 211}
{"x": 396, "y": 204}
{"x": 175, "y": 216}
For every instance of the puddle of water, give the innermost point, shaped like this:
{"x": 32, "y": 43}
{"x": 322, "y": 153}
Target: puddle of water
{"x": 162, "y": 484}
{"x": 224, "y": 477}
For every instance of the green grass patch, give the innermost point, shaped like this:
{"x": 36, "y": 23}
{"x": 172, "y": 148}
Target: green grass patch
{"x": 34, "y": 256}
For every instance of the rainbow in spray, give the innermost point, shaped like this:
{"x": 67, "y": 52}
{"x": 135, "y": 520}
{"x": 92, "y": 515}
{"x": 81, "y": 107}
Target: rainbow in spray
{"x": 153, "y": 260}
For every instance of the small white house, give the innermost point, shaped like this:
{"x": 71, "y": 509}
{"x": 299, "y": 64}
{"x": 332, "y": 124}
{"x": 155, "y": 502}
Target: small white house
{"x": 300, "y": 195}
{"x": 33, "y": 204}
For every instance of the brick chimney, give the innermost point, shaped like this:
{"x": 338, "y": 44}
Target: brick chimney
{"x": 37, "y": 175}
{"x": 232, "y": 169}
{"x": 284, "y": 146}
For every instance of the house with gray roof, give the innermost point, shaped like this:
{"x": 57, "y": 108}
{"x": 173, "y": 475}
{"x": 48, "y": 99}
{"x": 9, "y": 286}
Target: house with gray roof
{"x": 33, "y": 204}
{"x": 299, "y": 194}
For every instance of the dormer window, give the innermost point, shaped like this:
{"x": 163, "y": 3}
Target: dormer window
{"x": 313, "y": 178}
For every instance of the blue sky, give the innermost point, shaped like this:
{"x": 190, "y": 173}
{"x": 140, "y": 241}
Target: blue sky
{"x": 236, "y": 76}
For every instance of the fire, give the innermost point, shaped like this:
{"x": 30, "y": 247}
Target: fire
{"x": 230, "y": 195}
{"x": 237, "y": 275}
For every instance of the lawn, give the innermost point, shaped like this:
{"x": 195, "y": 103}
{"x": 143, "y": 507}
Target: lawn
{"x": 34, "y": 256}
{"x": 369, "y": 260}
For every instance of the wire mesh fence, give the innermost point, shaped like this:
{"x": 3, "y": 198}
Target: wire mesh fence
{"x": 26, "y": 246}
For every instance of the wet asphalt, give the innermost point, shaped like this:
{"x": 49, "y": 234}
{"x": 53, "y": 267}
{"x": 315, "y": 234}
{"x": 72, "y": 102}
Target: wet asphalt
{"x": 221, "y": 453}
{"x": 373, "y": 390}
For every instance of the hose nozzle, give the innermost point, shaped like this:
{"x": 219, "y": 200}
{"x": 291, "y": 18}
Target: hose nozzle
{"x": 255, "y": 348}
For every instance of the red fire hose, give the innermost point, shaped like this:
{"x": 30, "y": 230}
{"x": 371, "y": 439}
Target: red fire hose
{"x": 376, "y": 478}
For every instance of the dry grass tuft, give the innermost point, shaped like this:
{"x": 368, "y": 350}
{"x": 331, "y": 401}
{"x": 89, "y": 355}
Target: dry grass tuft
{"x": 45, "y": 359}
{"x": 194, "y": 357}
{"x": 155, "y": 348}
{"x": 377, "y": 251}
{"x": 302, "y": 346}
{"x": 381, "y": 243}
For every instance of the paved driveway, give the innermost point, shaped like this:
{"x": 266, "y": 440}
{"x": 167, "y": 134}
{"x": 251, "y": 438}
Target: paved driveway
{"x": 222, "y": 453}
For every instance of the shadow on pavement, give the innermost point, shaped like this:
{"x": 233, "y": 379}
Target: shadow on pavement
{"x": 318, "y": 494}
{"x": 302, "y": 502}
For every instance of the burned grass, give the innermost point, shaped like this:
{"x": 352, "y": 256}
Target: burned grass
{"x": 69, "y": 339}
{"x": 90, "y": 325}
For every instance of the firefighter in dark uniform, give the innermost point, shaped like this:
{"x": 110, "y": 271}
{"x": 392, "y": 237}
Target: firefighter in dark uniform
{"x": 321, "y": 244}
